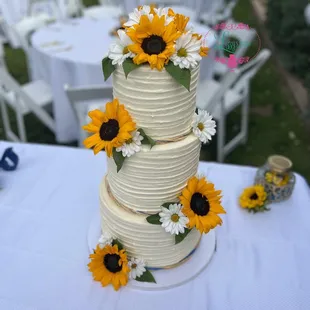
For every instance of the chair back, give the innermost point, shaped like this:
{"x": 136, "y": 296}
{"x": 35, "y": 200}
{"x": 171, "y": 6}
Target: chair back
{"x": 248, "y": 71}
{"x": 49, "y": 7}
{"x": 227, "y": 40}
{"x": 239, "y": 79}
{"x": 8, "y": 84}
{"x": 81, "y": 98}
{"x": 70, "y": 8}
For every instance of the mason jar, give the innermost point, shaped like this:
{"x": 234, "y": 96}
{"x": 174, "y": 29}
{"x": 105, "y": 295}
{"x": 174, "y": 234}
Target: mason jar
{"x": 277, "y": 178}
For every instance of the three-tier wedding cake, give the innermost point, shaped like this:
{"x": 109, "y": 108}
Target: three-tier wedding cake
{"x": 153, "y": 207}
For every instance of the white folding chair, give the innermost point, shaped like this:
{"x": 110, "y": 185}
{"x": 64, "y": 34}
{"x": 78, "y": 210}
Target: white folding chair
{"x": 218, "y": 12}
{"x": 70, "y": 8}
{"x": 85, "y": 99}
{"x": 49, "y": 7}
{"x": 107, "y": 10}
{"x": 33, "y": 97}
{"x": 245, "y": 38}
{"x": 221, "y": 98}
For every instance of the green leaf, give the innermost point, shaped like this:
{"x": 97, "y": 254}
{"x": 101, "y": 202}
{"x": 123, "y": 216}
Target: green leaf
{"x": 119, "y": 159}
{"x": 181, "y": 237}
{"x": 146, "y": 277}
{"x": 119, "y": 245}
{"x": 129, "y": 66}
{"x": 147, "y": 140}
{"x": 167, "y": 204}
{"x": 107, "y": 67}
{"x": 154, "y": 219}
{"x": 182, "y": 76}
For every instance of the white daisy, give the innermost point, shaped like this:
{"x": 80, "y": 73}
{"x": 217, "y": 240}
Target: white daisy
{"x": 134, "y": 17}
{"x": 118, "y": 50}
{"x": 132, "y": 145}
{"x": 164, "y": 12}
{"x": 203, "y": 126}
{"x": 137, "y": 267}
{"x": 105, "y": 239}
{"x": 187, "y": 50}
{"x": 172, "y": 219}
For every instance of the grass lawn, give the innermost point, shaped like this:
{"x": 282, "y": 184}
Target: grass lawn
{"x": 275, "y": 124}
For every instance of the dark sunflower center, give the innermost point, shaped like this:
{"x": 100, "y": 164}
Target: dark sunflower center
{"x": 153, "y": 45}
{"x": 200, "y": 204}
{"x": 109, "y": 130}
{"x": 254, "y": 196}
{"x": 111, "y": 262}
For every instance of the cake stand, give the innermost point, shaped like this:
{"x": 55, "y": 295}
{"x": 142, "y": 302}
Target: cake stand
{"x": 166, "y": 278}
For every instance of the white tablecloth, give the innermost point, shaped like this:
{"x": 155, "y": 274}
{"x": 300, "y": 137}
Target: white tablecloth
{"x": 47, "y": 205}
{"x": 81, "y": 65}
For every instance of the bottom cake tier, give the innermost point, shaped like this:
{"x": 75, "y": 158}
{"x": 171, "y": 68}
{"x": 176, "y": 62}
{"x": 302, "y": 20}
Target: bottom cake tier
{"x": 141, "y": 239}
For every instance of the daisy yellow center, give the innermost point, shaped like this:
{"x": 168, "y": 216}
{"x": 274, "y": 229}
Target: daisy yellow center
{"x": 254, "y": 196}
{"x": 175, "y": 218}
{"x": 129, "y": 141}
{"x": 200, "y": 204}
{"x": 153, "y": 45}
{"x": 182, "y": 52}
{"x": 201, "y": 126}
{"x": 125, "y": 50}
{"x": 111, "y": 262}
{"x": 109, "y": 130}
{"x": 133, "y": 266}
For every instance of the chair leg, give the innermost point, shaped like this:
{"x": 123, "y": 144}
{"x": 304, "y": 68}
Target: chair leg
{"x": 21, "y": 126}
{"x": 221, "y": 138}
{"x": 245, "y": 118}
{"x": 5, "y": 120}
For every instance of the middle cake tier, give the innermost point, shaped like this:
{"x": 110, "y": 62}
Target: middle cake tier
{"x": 154, "y": 176}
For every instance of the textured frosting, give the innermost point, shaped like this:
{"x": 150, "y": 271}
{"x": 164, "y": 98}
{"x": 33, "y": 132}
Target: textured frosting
{"x": 158, "y": 104}
{"x": 154, "y": 176}
{"x": 141, "y": 239}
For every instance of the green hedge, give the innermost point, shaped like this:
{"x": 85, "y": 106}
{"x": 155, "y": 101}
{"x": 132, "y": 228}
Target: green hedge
{"x": 291, "y": 35}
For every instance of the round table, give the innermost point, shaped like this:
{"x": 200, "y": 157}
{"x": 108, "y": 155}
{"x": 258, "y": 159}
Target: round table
{"x": 70, "y": 53}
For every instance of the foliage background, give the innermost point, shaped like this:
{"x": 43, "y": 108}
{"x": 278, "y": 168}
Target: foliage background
{"x": 291, "y": 35}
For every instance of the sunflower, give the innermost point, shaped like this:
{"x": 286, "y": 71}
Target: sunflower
{"x": 253, "y": 197}
{"x": 111, "y": 128}
{"x": 181, "y": 22}
{"x": 201, "y": 204}
{"x": 153, "y": 41}
{"x": 109, "y": 265}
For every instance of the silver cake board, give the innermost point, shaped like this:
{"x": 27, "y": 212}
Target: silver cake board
{"x": 166, "y": 278}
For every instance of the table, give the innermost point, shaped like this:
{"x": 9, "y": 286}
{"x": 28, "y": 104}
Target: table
{"x": 48, "y": 203}
{"x": 77, "y": 62}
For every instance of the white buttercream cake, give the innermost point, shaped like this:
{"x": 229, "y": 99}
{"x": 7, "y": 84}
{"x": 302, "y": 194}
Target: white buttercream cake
{"x": 153, "y": 206}
{"x": 154, "y": 175}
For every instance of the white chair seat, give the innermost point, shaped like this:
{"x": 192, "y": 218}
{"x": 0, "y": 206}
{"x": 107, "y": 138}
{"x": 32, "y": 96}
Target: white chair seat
{"x": 38, "y": 91}
{"x": 102, "y": 12}
{"x": 205, "y": 92}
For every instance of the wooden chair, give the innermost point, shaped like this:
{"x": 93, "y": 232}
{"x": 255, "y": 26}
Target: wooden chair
{"x": 221, "y": 98}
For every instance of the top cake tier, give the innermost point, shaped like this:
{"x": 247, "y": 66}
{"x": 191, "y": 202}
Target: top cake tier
{"x": 156, "y": 102}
